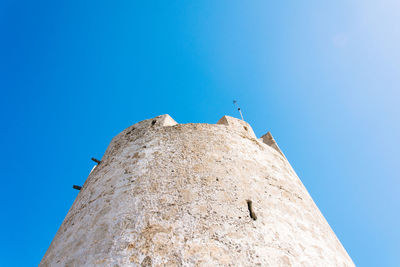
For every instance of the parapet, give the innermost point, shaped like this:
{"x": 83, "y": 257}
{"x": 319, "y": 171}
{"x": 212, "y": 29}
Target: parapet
{"x": 161, "y": 121}
{"x": 269, "y": 140}
{"x": 239, "y": 126}
{"x": 245, "y": 128}
{"x": 164, "y": 120}
{"x": 235, "y": 124}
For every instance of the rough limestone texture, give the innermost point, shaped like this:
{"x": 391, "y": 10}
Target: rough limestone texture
{"x": 168, "y": 194}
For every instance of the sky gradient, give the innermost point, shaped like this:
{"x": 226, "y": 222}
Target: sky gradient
{"x": 323, "y": 77}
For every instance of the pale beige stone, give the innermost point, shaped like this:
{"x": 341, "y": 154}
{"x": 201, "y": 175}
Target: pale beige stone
{"x": 168, "y": 194}
{"x": 237, "y": 125}
{"x": 269, "y": 140}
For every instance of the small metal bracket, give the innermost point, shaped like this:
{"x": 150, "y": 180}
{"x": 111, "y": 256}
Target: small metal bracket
{"x": 96, "y": 160}
{"x": 77, "y": 187}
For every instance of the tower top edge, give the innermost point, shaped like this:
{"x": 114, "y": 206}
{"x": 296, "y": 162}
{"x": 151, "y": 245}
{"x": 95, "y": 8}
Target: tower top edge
{"x": 166, "y": 120}
{"x": 233, "y": 124}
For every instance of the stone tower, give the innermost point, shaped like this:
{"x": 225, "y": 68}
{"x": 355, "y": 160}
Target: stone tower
{"x": 168, "y": 194}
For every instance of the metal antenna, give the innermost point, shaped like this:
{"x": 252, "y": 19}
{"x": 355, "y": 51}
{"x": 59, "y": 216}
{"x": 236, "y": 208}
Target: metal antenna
{"x": 240, "y": 111}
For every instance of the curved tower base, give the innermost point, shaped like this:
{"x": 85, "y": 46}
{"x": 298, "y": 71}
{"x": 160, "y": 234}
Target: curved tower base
{"x": 168, "y": 194}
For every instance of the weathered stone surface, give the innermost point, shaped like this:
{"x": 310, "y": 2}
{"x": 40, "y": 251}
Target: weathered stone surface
{"x": 269, "y": 140}
{"x": 168, "y": 194}
{"x": 237, "y": 125}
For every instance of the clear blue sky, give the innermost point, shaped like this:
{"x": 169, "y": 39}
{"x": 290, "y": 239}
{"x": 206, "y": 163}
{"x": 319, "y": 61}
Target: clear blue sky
{"x": 322, "y": 76}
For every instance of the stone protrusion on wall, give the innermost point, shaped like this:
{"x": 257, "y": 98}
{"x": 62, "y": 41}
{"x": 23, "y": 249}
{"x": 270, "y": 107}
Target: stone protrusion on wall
{"x": 164, "y": 120}
{"x": 159, "y": 121}
{"x": 269, "y": 140}
{"x": 238, "y": 125}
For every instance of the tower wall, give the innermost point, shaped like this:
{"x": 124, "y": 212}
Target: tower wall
{"x": 168, "y": 194}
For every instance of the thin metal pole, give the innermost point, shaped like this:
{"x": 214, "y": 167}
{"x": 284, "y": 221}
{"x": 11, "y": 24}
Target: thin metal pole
{"x": 240, "y": 111}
